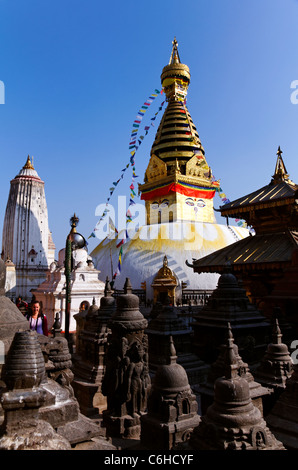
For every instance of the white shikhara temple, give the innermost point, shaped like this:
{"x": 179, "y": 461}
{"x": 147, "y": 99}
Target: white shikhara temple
{"x": 26, "y": 240}
{"x": 178, "y": 192}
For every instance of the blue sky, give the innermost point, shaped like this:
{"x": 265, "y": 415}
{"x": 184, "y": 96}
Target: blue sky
{"x": 76, "y": 73}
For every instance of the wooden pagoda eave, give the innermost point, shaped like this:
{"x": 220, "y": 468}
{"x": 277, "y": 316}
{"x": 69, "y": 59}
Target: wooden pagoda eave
{"x": 235, "y": 212}
{"x": 241, "y": 267}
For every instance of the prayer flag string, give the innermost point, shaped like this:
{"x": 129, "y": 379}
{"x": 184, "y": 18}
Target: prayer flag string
{"x": 134, "y": 145}
{"x": 225, "y": 200}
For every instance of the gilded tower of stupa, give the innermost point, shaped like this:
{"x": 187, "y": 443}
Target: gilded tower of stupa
{"x": 178, "y": 192}
{"x": 178, "y": 181}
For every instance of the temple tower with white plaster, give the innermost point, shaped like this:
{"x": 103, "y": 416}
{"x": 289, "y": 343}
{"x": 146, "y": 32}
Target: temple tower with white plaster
{"x": 26, "y": 238}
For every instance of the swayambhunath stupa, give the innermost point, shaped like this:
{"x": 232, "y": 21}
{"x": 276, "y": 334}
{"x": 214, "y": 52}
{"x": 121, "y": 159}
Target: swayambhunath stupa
{"x": 178, "y": 191}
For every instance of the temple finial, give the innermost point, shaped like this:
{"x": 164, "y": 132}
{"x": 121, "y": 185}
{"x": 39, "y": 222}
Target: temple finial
{"x": 127, "y": 286}
{"x": 174, "y": 59}
{"x": 28, "y": 165}
{"x": 74, "y": 220}
{"x": 280, "y": 173}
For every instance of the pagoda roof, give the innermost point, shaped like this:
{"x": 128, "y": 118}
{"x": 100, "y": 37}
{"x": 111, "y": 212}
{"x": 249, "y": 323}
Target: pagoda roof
{"x": 267, "y": 195}
{"x": 277, "y": 192}
{"x": 267, "y": 250}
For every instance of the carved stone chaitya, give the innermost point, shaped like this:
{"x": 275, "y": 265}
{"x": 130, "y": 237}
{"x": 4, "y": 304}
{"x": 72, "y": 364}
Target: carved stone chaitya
{"x": 259, "y": 394}
{"x": 172, "y": 406}
{"x": 283, "y": 418}
{"x": 126, "y": 381}
{"x": 24, "y": 371}
{"x": 229, "y": 303}
{"x": 232, "y": 422}
{"x": 168, "y": 323}
{"x": 89, "y": 365}
{"x": 276, "y": 367}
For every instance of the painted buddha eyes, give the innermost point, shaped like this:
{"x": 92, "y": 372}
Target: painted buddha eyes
{"x": 156, "y": 205}
{"x": 201, "y": 203}
{"x": 191, "y": 202}
{"x": 164, "y": 203}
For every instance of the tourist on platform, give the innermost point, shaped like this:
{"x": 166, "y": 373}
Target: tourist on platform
{"x": 38, "y": 321}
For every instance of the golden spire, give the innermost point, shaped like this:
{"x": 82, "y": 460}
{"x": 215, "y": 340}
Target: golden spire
{"x": 280, "y": 173}
{"x": 174, "y": 59}
{"x": 175, "y": 76}
{"x": 176, "y": 129}
{"x": 28, "y": 165}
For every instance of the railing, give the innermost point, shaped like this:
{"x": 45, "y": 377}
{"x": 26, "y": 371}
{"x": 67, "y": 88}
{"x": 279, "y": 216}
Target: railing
{"x": 195, "y": 297}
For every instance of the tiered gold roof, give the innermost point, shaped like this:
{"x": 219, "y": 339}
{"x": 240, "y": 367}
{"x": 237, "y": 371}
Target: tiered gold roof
{"x": 177, "y": 136}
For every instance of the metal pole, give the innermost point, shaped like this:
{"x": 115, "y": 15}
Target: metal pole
{"x": 68, "y": 255}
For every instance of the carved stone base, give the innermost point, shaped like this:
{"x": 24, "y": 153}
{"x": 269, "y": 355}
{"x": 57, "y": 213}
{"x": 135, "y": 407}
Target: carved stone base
{"x": 166, "y": 436}
{"x": 126, "y": 427}
{"x": 91, "y": 400}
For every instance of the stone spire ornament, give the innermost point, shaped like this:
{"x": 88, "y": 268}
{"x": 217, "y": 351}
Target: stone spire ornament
{"x": 232, "y": 422}
{"x": 172, "y": 406}
{"x": 126, "y": 381}
{"x": 89, "y": 365}
{"x": 229, "y": 303}
{"x": 258, "y": 393}
{"x": 24, "y": 372}
{"x": 276, "y": 367}
{"x": 169, "y": 323}
{"x": 283, "y": 418}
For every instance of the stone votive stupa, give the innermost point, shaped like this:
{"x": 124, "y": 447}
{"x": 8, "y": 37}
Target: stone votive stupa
{"x": 258, "y": 393}
{"x": 276, "y": 367}
{"x": 126, "y": 381}
{"x": 167, "y": 323}
{"x": 283, "y": 418}
{"x": 229, "y": 303}
{"x": 89, "y": 366}
{"x": 172, "y": 406}
{"x": 23, "y": 373}
{"x": 232, "y": 422}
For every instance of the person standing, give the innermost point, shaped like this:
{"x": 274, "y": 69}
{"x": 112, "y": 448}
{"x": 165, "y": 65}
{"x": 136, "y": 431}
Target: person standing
{"x": 38, "y": 321}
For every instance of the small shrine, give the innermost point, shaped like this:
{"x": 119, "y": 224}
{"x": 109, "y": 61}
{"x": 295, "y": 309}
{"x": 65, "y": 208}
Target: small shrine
{"x": 86, "y": 285}
{"x": 172, "y": 406}
{"x": 164, "y": 284}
